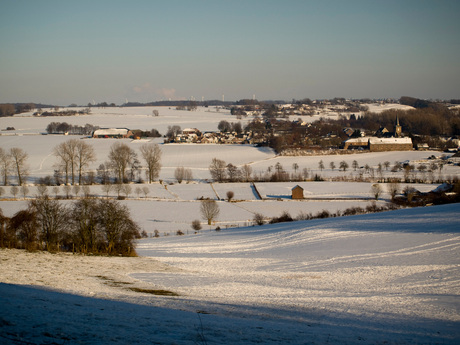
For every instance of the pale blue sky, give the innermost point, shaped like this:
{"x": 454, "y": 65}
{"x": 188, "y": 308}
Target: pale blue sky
{"x": 64, "y": 52}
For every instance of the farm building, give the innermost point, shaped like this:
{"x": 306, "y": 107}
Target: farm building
{"x": 375, "y": 144}
{"x": 297, "y": 193}
{"x": 113, "y": 133}
{"x": 390, "y": 144}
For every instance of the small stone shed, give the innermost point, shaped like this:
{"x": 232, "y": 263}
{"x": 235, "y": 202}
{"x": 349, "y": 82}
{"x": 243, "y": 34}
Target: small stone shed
{"x": 297, "y": 193}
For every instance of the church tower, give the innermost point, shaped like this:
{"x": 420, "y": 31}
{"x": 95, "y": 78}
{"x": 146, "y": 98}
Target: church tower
{"x": 398, "y": 128}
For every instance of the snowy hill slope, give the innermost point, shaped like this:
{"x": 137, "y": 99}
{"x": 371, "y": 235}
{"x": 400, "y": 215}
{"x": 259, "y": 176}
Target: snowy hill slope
{"x": 383, "y": 278}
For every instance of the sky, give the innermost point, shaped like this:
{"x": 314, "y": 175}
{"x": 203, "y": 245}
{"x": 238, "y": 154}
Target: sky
{"x": 64, "y": 52}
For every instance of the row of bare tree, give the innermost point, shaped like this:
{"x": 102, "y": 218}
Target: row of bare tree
{"x": 74, "y": 157}
{"x": 86, "y": 226}
{"x": 221, "y": 171}
{"x": 13, "y": 161}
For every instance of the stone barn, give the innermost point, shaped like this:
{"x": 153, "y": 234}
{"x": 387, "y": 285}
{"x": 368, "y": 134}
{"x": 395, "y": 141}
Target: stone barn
{"x": 297, "y": 193}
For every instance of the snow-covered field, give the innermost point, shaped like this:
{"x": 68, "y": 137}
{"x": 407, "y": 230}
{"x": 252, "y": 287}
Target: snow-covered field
{"x": 176, "y": 206}
{"x": 387, "y": 278}
{"x": 170, "y": 206}
{"x": 41, "y": 161}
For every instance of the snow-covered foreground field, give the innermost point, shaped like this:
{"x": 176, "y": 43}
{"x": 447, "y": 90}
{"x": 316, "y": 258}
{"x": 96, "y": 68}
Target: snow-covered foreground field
{"x": 387, "y": 278}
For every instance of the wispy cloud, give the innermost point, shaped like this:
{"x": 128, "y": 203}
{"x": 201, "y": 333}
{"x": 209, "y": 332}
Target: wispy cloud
{"x": 166, "y": 92}
{"x": 145, "y": 88}
{"x": 150, "y": 91}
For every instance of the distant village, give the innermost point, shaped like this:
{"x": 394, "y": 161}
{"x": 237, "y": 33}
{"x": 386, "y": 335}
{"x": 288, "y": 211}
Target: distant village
{"x": 384, "y": 140}
{"x": 340, "y": 126}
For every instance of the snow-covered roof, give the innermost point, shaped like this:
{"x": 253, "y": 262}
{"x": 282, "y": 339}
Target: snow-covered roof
{"x": 190, "y": 130}
{"x": 111, "y": 131}
{"x": 357, "y": 140}
{"x": 374, "y": 140}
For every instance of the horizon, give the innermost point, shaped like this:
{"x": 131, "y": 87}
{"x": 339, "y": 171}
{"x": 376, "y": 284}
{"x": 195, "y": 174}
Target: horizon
{"x": 216, "y": 102}
{"x": 148, "y": 51}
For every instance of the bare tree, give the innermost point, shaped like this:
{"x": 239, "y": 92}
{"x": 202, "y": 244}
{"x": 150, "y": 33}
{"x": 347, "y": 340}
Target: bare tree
{"x": 196, "y": 225}
{"x": 56, "y": 191}
{"x": 295, "y": 166}
{"x": 209, "y": 210}
{"x": 24, "y": 191}
{"x": 355, "y": 165}
{"x": 117, "y": 227}
{"x": 85, "y": 229}
{"x": 84, "y": 156}
{"x": 152, "y": 156}
{"x": 52, "y": 218}
{"x": 224, "y": 126}
{"x": 380, "y": 169}
{"x": 66, "y": 152}
{"x": 24, "y": 224}
{"x": 121, "y": 157}
{"x": 376, "y": 190}
{"x": 106, "y": 188}
{"x": 42, "y": 190}
{"x": 343, "y": 165}
{"x": 127, "y": 189}
{"x": 86, "y": 191}
{"x": 259, "y": 219}
{"x": 217, "y": 170}
{"x": 279, "y": 168}
{"x": 14, "y": 190}
{"x": 19, "y": 158}
{"x": 246, "y": 172}
{"x": 146, "y": 191}
{"x": 305, "y": 173}
{"x": 230, "y": 195}
{"x": 76, "y": 190}
{"x": 233, "y": 172}
{"x": 68, "y": 191}
{"x": 321, "y": 165}
{"x": 3, "y": 230}
{"x": 173, "y": 131}
{"x": 332, "y": 165}
{"x": 155, "y": 112}
{"x": 103, "y": 173}
{"x": 119, "y": 189}
{"x": 180, "y": 174}
{"x": 393, "y": 188}
{"x": 188, "y": 175}
{"x": 5, "y": 165}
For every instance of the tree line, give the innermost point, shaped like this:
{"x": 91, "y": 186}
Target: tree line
{"x": 67, "y": 112}
{"x": 97, "y": 226}
{"x": 9, "y": 109}
{"x": 64, "y": 127}
{"x": 424, "y": 121}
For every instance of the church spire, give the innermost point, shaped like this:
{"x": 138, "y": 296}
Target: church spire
{"x": 398, "y": 128}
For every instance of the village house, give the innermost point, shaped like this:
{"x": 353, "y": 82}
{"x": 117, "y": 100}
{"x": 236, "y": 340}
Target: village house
{"x": 191, "y": 131}
{"x": 356, "y": 143}
{"x": 193, "y": 135}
